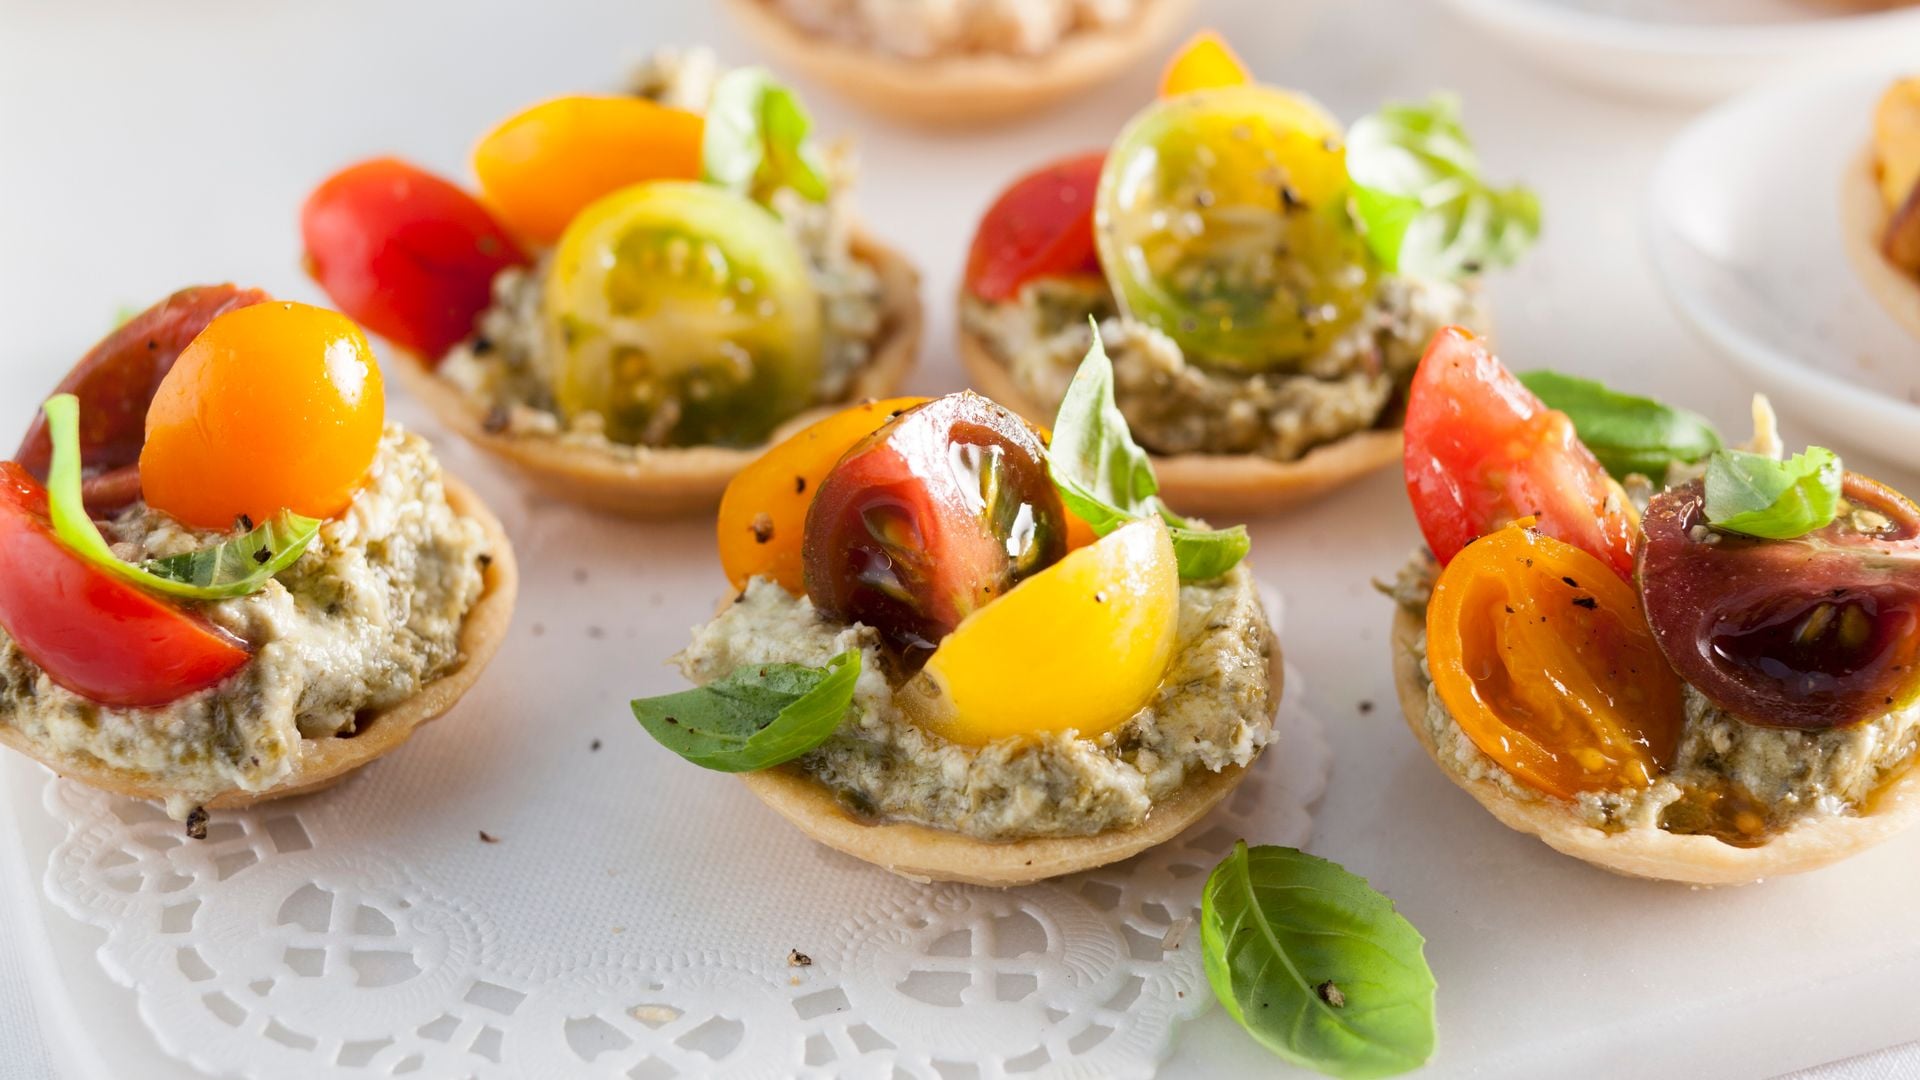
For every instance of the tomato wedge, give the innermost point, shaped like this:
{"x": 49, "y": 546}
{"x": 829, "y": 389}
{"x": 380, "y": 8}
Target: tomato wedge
{"x": 1818, "y": 632}
{"x": 91, "y": 632}
{"x": 1040, "y": 227}
{"x": 115, "y": 383}
{"x": 404, "y": 253}
{"x": 1483, "y": 451}
{"x": 1543, "y": 658}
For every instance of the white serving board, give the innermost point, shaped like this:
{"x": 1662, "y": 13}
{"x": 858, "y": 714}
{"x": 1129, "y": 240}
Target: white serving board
{"x": 1544, "y": 965}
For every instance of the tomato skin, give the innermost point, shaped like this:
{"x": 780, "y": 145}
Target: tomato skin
{"x": 404, "y": 253}
{"x": 276, "y": 406}
{"x": 1546, "y": 662}
{"x": 91, "y": 632}
{"x": 1041, "y": 226}
{"x": 933, "y": 516}
{"x": 115, "y": 383}
{"x": 1483, "y": 451}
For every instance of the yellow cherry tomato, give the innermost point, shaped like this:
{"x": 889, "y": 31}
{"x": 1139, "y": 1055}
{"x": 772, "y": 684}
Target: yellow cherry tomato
{"x": 1205, "y": 62}
{"x": 763, "y": 514}
{"x": 684, "y": 315}
{"x": 541, "y": 167}
{"x": 278, "y": 406}
{"x": 1543, "y": 656}
{"x": 1221, "y": 221}
{"x": 1080, "y": 646}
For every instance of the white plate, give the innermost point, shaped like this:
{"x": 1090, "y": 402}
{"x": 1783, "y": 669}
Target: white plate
{"x": 1694, "y": 50}
{"x": 1745, "y": 225}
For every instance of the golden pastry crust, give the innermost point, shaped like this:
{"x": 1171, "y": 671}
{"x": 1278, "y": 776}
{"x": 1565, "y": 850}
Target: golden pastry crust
{"x": 1809, "y": 844}
{"x": 675, "y": 481}
{"x": 323, "y": 762}
{"x": 1863, "y": 222}
{"x": 1231, "y": 487}
{"x": 927, "y": 854}
{"x": 965, "y": 89}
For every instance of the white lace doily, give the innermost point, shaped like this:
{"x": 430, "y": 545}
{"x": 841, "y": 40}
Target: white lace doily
{"x": 357, "y": 930}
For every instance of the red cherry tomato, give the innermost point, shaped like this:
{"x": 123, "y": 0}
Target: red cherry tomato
{"x": 115, "y": 383}
{"x": 404, "y": 253}
{"x": 1483, "y": 451}
{"x": 937, "y": 513}
{"x": 1042, "y": 226}
{"x": 91, "y": 632}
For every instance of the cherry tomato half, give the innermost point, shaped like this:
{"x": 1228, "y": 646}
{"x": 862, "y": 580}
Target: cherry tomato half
{"x": 115, "y": 383}
{"x": 1818, "y": 632}
{"x": 1042, "y": 226}
{"x": 1483, "y": 451}
{"x": 1542, "y": 656}
{"x": 404, "y": 253}
{"x": 273, "y": 407}
{"x": 544, "y": 165}
{"x": 931, "y": 517}
{"x": 91, "y": 632}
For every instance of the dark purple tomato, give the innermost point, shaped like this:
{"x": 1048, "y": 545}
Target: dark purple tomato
{"x": 931, "y": 517}
{"x": 1818, "y": 632}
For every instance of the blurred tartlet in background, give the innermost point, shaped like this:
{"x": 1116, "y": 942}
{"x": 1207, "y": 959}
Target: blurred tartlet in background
{"x": 960, "y": 61}
{"x": 1881, "y": 203}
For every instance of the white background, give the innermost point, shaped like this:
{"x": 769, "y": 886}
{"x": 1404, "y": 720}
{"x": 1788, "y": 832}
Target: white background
{"x": 145, "y": 146}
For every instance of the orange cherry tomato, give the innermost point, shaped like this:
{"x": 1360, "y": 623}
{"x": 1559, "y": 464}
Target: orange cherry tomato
{"x": 275, "y": 406}
{"x": 1543, "y": 656}
{"x": 543, "y": 166}
{"x": 1205, "y": 62}
{"x": 764, "y": 511}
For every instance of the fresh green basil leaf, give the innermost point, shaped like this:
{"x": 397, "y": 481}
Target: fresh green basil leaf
{"x": 1316, "y": 965}
{"x": 755, "y": 718}
{"x": 237, "y": 567}
{"x": 1755, "y": 495}
{"x": 755, "y": 140}
{"x": 1629, "y": 434}
{"x": 1205, "y": 554}
{"x": 1107, "y": 480}
{"x": 1420, "y": 199}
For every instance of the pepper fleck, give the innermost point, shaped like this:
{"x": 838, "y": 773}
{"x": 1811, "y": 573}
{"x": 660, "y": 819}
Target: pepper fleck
{"x": 1331, "y": 994}
{"x": 796, "y": 958}
{"x": 799, "y": 485}
{"x": 488, "y": 838}
{"x": 197, "y": 823}
{"x": 762, "y": 527}
{"x": 495, "y": 422}
{"x": 1587, "y": 602}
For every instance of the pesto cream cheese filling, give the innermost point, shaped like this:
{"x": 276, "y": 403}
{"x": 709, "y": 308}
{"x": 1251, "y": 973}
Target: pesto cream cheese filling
{"x": 504, "y": 368}
{"x": 1722, "y": 768}
{"x": 368, "y": 615}
{"x": 1213, "y": 710}
{"x": 1175, "y": 406}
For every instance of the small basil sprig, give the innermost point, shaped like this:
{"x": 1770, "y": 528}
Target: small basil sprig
{"x": 755, "y": 141}
{"x": 1106, "y": 479}
{"x": 1420, "y": 199}
{"x": 1316, "y": 964}
{"x": 1755, "y": 495}
{"x": 757, "y": 717}
{"x": 1629, "y": 434}
{"x": 237, "y": 567}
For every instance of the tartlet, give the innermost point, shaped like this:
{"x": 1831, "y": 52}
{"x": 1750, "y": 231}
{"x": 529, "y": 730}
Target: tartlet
{"x": 642, "y": 297}
{"x": 1257, "y": 380}
{"x": 934, "y": 663}
{"x": 1701, "y": 678}
{"x": 255, "y": 653}
{"x": 966, "y": 88}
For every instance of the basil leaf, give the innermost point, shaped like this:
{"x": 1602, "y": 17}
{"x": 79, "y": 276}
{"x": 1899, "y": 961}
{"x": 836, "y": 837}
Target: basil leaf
{"x": 1107, "y": 480}
{"x": 1629, "y": 434}
{"x": 1420, "y": 200}
{"x": 237, "y": 567}
{"x": 755, "y": 141}
{"x": 757, "y": 717}
{"x": 1316, "y": 965}
{"x": 1777, "y": 500}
